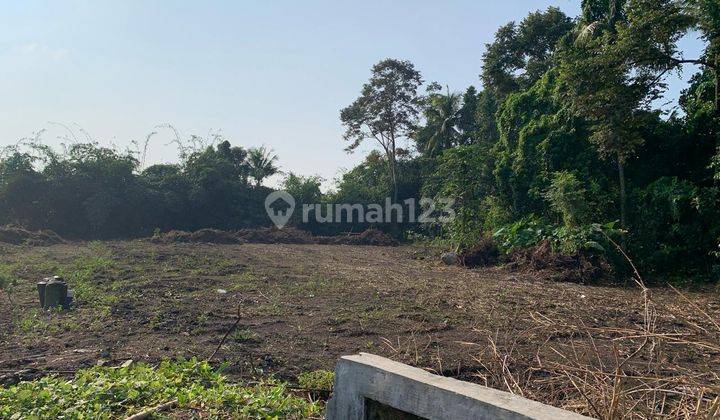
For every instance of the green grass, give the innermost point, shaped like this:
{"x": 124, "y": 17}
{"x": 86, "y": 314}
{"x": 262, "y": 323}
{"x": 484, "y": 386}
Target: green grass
{"x": 112, "y": 392}
{"x": 243, "y": 335}
{"x": 317, "y": 380}
{"x": 7, "y": 280}
{"x": 83, "y": 277}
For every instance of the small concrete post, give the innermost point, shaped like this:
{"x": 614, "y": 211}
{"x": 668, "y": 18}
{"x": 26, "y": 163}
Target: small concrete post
{"x": 55, "y": 293}
{"x": 41, "y": 292}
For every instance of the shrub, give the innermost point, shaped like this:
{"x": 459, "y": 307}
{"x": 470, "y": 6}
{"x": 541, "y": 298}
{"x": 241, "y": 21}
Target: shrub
{"x": 530, "y": 231}
{"x": 566, "y": 196}
{"x": 676, "y": 228}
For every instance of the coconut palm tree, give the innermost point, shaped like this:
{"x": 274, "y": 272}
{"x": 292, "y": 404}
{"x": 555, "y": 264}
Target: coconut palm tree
{"x": 262, "y": 163}
{"x": 441, "y": 130}
{"x": 599, "y": 15}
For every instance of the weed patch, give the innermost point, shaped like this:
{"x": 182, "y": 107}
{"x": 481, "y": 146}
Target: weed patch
{"x": 107, "y": 392}
{"x": 317, "y": 380}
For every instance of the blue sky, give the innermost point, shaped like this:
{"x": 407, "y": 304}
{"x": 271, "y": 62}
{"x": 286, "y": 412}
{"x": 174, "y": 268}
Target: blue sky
{"x": 260, "y": 72}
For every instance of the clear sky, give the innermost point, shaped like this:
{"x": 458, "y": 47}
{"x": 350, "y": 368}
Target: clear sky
{"x": 260, "y": 72}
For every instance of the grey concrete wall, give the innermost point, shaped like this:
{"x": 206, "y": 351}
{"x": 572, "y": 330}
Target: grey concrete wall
{"x": 423, "y": 394}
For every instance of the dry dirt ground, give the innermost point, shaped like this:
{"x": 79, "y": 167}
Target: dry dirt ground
{"x": 303, "y": 306}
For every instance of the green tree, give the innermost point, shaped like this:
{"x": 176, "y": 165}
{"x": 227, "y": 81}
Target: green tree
{"x": 22, "y": 191}
{"x": 168, "y": 197}
{"x": 599, "y": 83}
{"x": 521, "y": 53}
{"x": 485, "y": 110}
{"x": 262, "y": 164}
{"x": 652, "y": 30}
{"x": 541, "y": 135}
{"x": 218, "y": 195}
{"x": 386, "y": 111}
{"x": 468, "y": 122}
{"x": 305, "y": 189}
{"x": 443, "y": 115}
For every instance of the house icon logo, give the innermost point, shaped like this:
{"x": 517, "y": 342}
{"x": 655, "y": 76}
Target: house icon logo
{"x": 280, "y": 206}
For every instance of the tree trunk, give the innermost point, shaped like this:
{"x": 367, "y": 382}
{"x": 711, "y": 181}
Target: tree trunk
{"x": 623, "y": 210}
{"x": 393, "y": 174}
{"x": 393, "y": 167}
{"x": 717, "y": 86}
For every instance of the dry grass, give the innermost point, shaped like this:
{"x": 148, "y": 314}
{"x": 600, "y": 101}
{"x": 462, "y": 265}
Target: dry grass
{"x": 614, "y": 372}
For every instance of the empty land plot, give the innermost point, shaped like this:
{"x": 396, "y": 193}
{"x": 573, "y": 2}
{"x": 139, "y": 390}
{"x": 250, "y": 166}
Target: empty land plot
{"x": 303, "y": 306}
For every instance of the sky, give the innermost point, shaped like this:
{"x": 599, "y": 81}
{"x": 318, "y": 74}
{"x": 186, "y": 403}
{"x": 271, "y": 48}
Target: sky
{"x": 272, "y": 73}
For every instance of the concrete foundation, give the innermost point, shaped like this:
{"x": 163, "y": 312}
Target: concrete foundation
{"x": 373, "y": 387}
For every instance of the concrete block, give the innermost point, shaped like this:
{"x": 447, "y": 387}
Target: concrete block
{"x": 362, "y": 381}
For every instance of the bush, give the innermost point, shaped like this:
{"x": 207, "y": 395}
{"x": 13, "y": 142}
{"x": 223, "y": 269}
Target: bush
{"x": 566, "y": 196}
{"x": 676, "y": 229}
{"x": 531, "y": 231}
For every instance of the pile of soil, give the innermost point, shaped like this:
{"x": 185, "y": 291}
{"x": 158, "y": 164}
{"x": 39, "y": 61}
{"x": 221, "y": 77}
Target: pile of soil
{"x": 272, "y": 236}
{"x": 276, "y": 236}
{"x": 372, "y": 237}
{"x": 211, "y": 236}
{"x": 577, "y": 268}
{"x": 16, "y": 235}
{"x": 483, "y": 254}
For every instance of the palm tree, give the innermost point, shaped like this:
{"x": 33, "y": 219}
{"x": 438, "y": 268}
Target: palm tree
{"x": 262, "y": 163}
{"x": 443, "y": 115}
{"x": 598, "y": 15}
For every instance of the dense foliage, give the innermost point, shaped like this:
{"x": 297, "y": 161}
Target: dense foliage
{"x": 91, "y": 191}
{"x": 564, "y": 145}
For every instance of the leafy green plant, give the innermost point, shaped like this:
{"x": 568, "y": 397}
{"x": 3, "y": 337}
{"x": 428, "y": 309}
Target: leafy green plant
{"x": 524, "y": 233}
{"x": 112, "y": 392}
{"x": 317, "y": 380}
{"x": 530, "y": 231}
{"x": 7, "y": 281}
{"x": 566, "y": 196}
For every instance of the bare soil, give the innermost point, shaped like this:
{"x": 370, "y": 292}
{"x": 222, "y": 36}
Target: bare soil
{"x": 304, "y": 305}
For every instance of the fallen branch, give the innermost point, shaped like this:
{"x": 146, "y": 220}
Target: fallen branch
{"x": 230, "y": 330}
{"x": 150, "y": 411}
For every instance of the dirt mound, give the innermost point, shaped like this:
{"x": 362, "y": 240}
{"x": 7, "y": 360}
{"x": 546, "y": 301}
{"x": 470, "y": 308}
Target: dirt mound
{"x": 273, "y": 236}
{"x": 19, "y": 236}
{"x": 484, "y": 253}
{"x": 276, "y": 236}
{"x": 577, "y": 268}
{"x": 212, "y": 236}
{"x": 372, "y": 237}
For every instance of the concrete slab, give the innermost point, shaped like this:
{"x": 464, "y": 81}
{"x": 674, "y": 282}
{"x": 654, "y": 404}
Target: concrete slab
{"x": 366, "y": 378}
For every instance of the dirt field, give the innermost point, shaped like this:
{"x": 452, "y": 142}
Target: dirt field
{"x": 303, "y": 306}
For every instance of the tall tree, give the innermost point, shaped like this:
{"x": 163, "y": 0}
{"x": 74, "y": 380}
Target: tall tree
{"x": 386, "y": 111}
{"x": 468, "y": 123}
{"x": 599, "y": 83}
{"x": 521, "y": 53}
